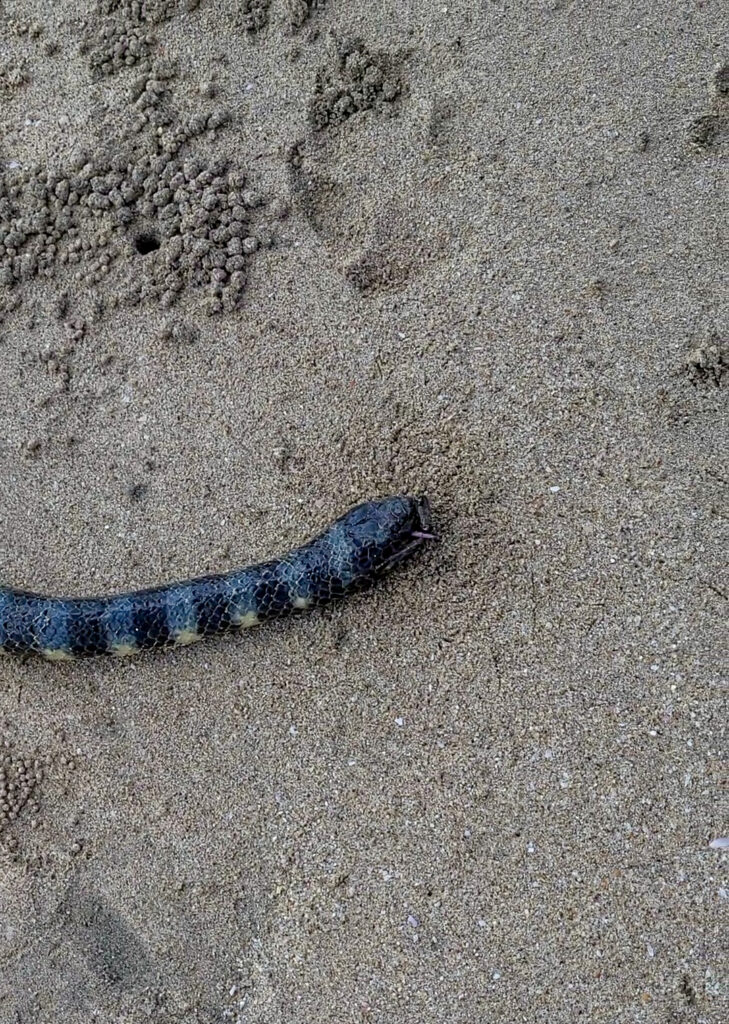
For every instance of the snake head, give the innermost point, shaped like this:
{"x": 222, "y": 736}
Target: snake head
{"x": 386, "y": 531}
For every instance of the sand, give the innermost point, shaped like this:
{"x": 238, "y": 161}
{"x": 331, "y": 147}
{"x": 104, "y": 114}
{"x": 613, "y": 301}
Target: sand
{"x": 258, "y": 262}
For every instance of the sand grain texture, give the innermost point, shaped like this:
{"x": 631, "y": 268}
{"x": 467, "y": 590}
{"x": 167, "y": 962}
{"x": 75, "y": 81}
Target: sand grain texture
{"x": 259, "y": 261}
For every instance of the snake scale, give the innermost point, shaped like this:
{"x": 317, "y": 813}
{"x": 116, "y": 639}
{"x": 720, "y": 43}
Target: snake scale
{"x": 350, "y": 554}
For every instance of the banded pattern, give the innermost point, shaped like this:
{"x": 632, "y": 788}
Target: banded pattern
{"x": 353, "y": 552}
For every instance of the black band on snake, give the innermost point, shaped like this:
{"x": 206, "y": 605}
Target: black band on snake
{"x": 352, "y": 553}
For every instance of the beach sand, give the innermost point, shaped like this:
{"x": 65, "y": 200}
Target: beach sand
{"x": 259, "y": 262}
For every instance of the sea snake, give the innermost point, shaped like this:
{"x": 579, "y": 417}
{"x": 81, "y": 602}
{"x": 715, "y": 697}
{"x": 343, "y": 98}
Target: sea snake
{"x": 350, "y": 554}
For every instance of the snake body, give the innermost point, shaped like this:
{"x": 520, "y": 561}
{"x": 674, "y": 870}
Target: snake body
{"x": 353, "y": 552}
